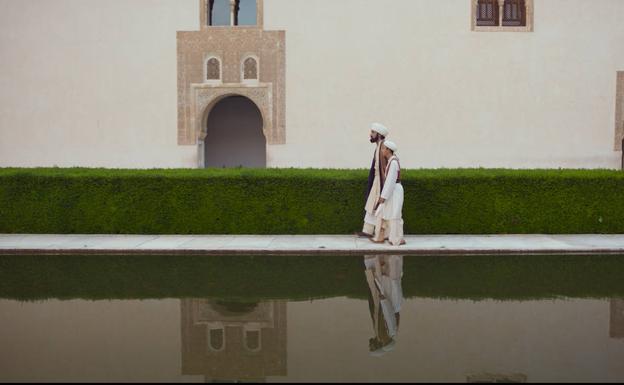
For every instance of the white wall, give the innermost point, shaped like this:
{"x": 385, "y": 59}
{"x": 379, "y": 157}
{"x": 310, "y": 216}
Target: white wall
{"x": 452, "y": 97}
{"x": 93, "y": 83}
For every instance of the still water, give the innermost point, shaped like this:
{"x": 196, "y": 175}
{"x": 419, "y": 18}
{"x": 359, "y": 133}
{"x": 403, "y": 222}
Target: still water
{"x": 381, "y": 324}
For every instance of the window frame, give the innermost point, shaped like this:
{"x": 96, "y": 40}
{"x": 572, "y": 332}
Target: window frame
{"x": 528, "y": 18}
{"x": 242, "y": 69}
{"x": 207, "y": 58}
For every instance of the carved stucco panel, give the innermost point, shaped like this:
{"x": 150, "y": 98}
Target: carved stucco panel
{"x": 205, "y": 97}
{"x": 232, "y": 46}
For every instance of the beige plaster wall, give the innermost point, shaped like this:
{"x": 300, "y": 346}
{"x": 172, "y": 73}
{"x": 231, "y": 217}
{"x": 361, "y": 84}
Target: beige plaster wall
{"x": 92, "y": 83}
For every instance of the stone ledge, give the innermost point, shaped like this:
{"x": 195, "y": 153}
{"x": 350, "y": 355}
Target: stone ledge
{"x": 32, "y": 244}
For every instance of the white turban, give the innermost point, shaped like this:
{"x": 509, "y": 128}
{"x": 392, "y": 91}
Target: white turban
{"x": 380, "y": 128}
{"x": 391, "y": 145}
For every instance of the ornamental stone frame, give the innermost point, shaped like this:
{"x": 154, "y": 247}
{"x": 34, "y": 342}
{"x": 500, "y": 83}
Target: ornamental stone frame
{"x": 206, "y": 96}
{"x": 500, "y": 28}
{"x": 231, "y": 45}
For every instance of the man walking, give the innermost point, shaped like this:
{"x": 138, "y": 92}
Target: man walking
{"x": 376, "y": 179}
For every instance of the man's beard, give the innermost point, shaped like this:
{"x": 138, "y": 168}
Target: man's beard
{"x": 374, "y": 140}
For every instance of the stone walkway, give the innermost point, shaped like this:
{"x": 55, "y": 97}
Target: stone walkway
{"x": 22, "y": 244}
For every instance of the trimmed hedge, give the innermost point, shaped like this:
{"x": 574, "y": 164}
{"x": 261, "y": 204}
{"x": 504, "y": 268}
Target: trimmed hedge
{"x": 305, "y": 201}
{"x": 250, "y": 279}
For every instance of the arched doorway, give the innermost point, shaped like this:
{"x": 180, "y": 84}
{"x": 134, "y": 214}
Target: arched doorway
{"x": 234, "y": 136}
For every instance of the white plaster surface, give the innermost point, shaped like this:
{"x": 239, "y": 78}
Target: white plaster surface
{"x": 94, "y": 83}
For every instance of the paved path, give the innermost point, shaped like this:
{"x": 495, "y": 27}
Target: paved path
{"x": 307, "y": 244}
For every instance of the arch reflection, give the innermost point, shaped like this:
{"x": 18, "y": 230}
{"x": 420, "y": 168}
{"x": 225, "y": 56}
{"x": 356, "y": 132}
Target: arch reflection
{"x": 233, "y": 341}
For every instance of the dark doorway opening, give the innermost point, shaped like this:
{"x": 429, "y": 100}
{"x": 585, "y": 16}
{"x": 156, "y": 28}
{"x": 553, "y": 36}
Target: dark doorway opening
{"x": 234, "y": 136}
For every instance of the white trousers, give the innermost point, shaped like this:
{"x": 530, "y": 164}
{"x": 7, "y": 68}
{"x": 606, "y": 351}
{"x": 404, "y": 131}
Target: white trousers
{"x": 391, "y": 229}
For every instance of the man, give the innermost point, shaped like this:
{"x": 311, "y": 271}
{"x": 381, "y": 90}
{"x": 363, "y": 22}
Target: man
{"x": 383, "y": 275}
{"x": 376, "y": 180}
{"x": 390, "y": 207}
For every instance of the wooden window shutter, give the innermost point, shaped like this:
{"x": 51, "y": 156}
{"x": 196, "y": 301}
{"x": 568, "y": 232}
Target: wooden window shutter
{"x": 487, "y": 13}
{"x": 514, "y": 13}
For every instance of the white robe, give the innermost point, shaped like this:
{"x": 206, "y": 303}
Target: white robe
{"x": 391, "y": 210}
{"x": 392, "y": 193}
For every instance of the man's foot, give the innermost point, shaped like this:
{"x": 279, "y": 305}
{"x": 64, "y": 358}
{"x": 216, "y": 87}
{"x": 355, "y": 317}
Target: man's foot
{"x": 374, "y": 241}
{"x": 362, "y": 234}
{"x": 402, "y": 243}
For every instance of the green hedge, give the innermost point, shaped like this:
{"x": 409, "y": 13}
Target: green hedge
{"x": 250, "y": 279}
{"x": 305, "y": 201}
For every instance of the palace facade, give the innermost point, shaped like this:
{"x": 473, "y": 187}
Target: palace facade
{"x": 297, "y": 83}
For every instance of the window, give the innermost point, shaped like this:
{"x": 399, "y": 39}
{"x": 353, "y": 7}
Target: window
{"x": 502, "y": 15}
{"x": 514, "y": 13}
{"x": 216, "y": 339}
{"x": 250, "y": 69}
{"x": 253, "y": 340}
{"x": 220, "y": 12}
{"x": 213, "y": 69}
{"x": 246, "y": 12}
{"x": 487, "y": 12}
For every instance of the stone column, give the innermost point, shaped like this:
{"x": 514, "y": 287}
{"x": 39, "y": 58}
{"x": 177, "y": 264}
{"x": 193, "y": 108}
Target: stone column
{"x": 232, "y": 11}
{"x": 201, "y": 156}
{"x": 501, "y": 11}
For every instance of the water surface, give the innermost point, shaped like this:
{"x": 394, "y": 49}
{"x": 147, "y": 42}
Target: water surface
{"x": 278, "y": 319}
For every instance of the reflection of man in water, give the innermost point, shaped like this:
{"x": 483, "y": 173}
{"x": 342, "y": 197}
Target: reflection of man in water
{"x": 383, "y": 275}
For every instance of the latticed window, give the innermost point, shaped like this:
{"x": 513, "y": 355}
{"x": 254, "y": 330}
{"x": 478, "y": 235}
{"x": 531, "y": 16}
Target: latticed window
{"x": 487, "y": 13}
{"x": 252, "y": 340}
{"x": 514, "y": 13}
{"x": 217, "y": 339}
{"x": 213, "y": 70}
{"x": 250, "y": 69}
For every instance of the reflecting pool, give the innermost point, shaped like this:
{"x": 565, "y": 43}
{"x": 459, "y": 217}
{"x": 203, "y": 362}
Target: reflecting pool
{"x": 278, "y": 319}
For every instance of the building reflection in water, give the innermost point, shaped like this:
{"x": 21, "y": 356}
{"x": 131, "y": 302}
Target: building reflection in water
{"x": 229, "y": 341}
{"x": 383, "y": 275}
{"x": 616, "y": 329}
